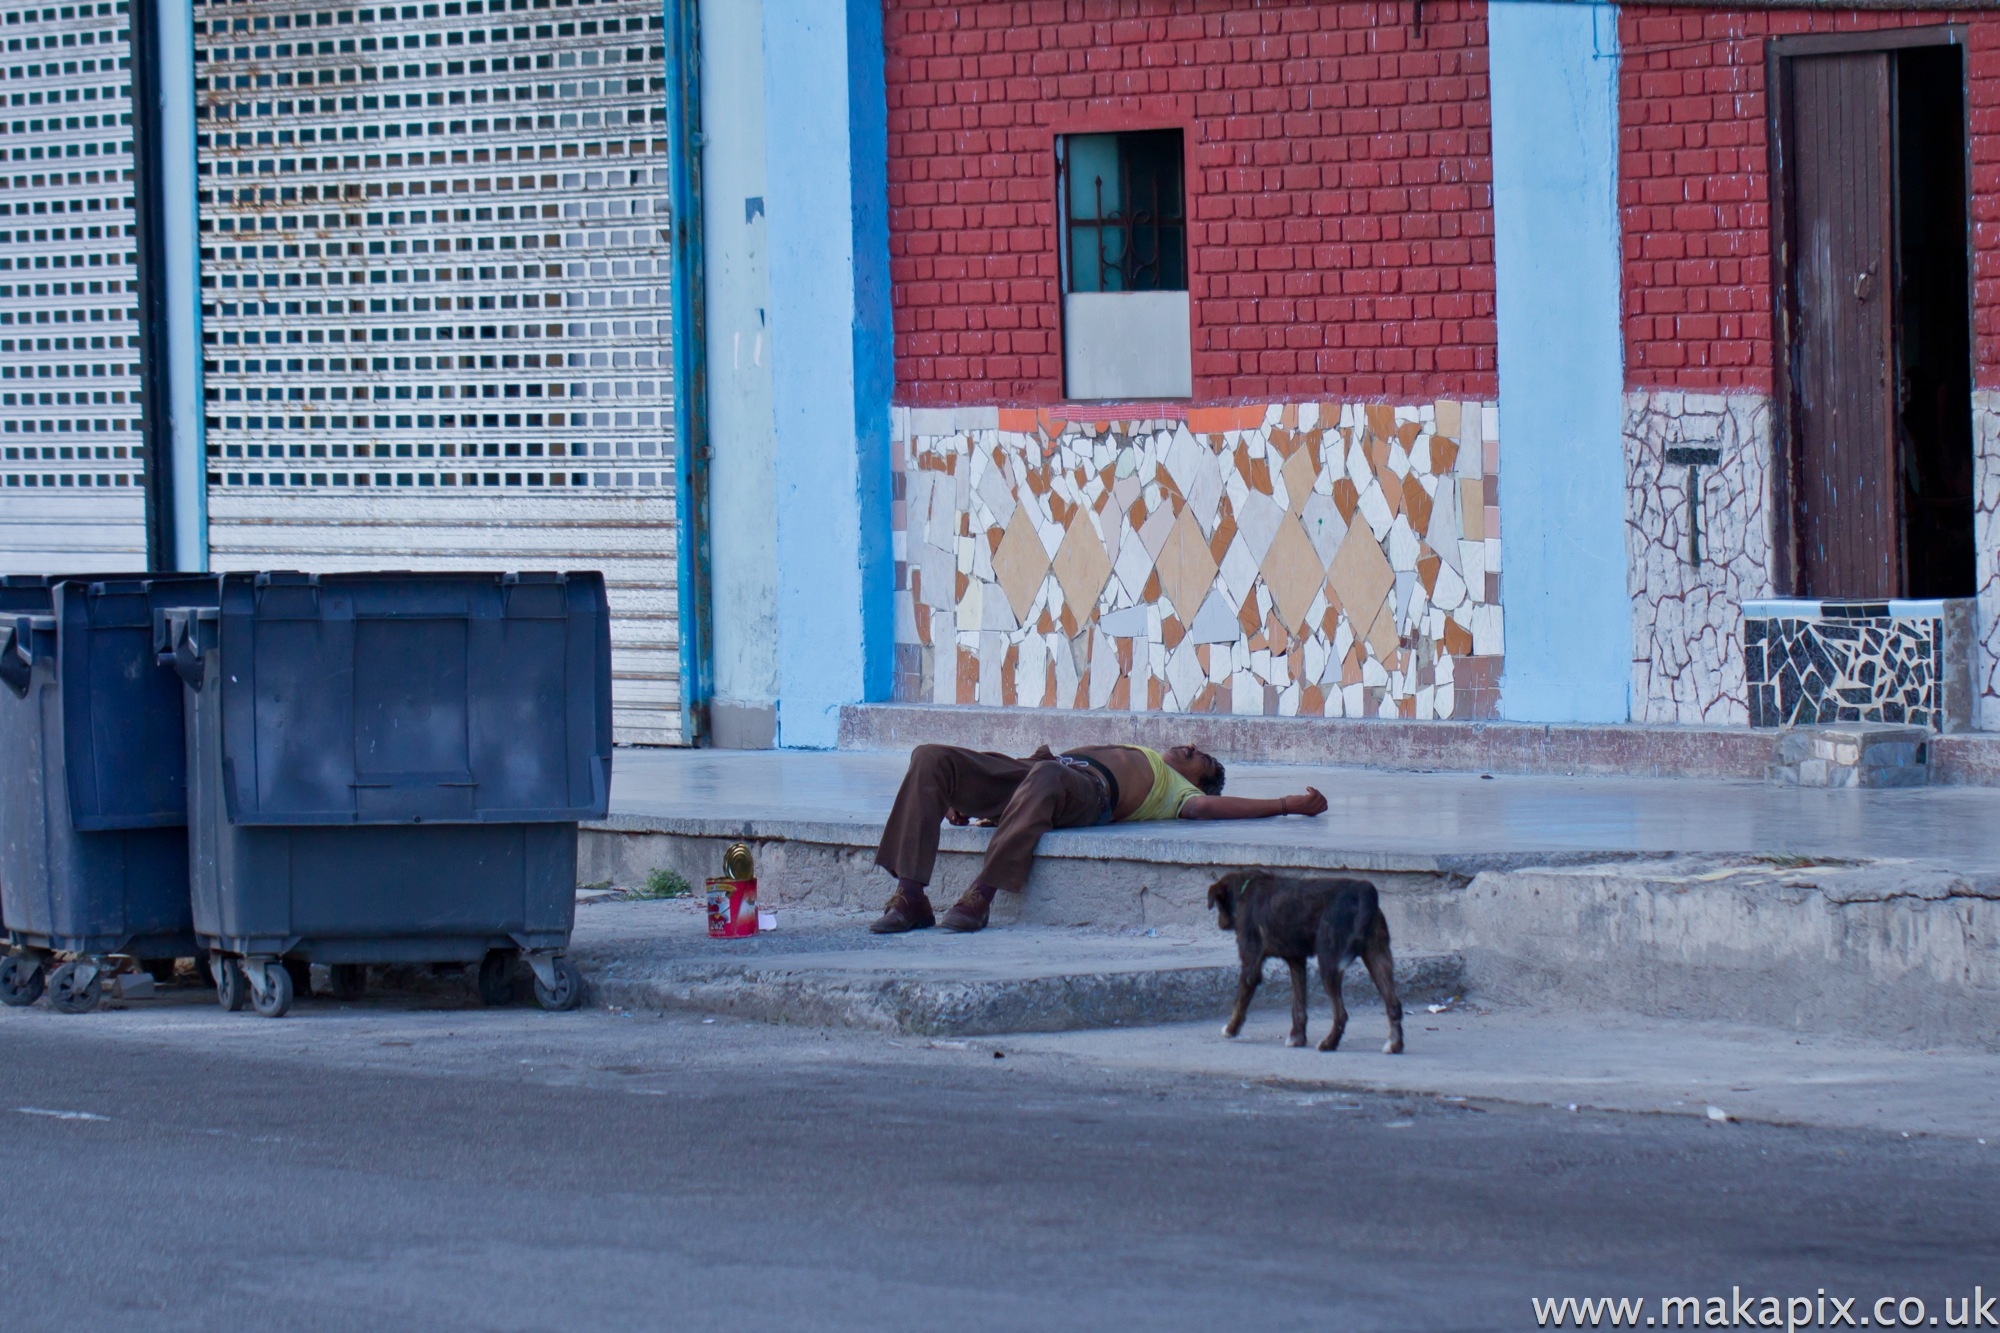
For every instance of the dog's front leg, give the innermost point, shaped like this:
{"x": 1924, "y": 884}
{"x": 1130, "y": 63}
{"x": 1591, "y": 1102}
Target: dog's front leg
{"x": 1246, "y": 988}
{"x": 1332, "y": 978}
{"x": 1382, "y": 967}
{"x": 1298, "y": 1037}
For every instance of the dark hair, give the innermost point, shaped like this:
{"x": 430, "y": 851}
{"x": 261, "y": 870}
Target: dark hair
{"x": 1212, "y": 785}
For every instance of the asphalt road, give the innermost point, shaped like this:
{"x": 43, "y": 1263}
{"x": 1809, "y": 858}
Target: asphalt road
{"x": 407, "y": 1164}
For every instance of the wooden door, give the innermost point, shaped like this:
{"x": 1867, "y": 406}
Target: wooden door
{"x": 1846, "y": 486}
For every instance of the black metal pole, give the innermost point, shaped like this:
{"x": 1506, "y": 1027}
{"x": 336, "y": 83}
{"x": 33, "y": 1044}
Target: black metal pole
{"x": 156, "y": 417}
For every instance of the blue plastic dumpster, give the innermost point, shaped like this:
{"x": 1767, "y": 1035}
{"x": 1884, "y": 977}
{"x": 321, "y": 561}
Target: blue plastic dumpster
{"x": 93, "y": 808}
{"x": 390, "y": 768}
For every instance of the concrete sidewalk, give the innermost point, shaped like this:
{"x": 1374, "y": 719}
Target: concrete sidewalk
{"x": 1593, "y": 1062}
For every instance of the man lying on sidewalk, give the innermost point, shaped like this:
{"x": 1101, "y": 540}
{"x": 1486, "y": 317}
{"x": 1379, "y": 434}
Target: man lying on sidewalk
{"x": 1098, "y": 784}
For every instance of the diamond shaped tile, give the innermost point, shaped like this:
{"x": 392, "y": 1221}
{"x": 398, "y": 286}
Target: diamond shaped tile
{"x": 1361, "y": 578}
{"x": 1204, "y": 494}
{"x": 1185, "y": 566}
{"x": 1081, "y": 566}
{"x": 1299, "y": 474}
{"x": 1239, "y": 573}
{"x": 1323, "y": 526}
{"x": 1186, "y": 459}
{"x": 1257, "y": 518}
{"x": 1021, "y": 562}
{"x": 1293, "y": 573}
{"x": 1133, "y": 565}
{"x": 1216, "y": 622}
{"x": 1382, "y": 636}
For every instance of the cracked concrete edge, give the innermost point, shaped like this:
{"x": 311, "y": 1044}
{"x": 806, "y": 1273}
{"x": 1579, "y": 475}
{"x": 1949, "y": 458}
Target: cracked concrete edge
{"x": 1460, "y": 746}
{"x": 934, "y": 1007}
{"x": 1097, "y": 845}
{"x": 1633, "y": 749}
{"x": 1899, "y": 951}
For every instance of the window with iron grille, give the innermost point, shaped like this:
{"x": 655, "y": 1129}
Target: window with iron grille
{"x": 1127, "y": 318}
{"x": 1127, "y": 220}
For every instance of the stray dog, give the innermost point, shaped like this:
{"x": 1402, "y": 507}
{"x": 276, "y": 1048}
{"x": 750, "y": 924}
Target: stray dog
{"x": 1339, "y": 920}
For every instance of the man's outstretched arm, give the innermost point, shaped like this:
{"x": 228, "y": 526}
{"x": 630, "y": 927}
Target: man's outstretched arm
{"x": 1310, "y": 802}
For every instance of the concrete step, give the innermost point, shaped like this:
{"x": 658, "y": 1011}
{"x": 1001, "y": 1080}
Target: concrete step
{"x": 1965, "y": 758}
{"x": 1854, "y": 912}
{"x": 824, "y": 969}
{"x": 1895, "y": 949}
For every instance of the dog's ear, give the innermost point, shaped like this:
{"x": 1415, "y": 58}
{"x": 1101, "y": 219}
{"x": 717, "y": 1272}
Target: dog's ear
{"x": 1222, "y": 898}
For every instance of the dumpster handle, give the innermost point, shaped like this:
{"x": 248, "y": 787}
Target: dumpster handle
{"x": 186, "y": 660}
{"x": 14, "y": 670}
{"x": 18, "y": 654}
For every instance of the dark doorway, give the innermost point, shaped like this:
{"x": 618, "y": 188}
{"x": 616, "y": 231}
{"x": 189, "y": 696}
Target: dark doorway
{"x": 1877, "y": 329}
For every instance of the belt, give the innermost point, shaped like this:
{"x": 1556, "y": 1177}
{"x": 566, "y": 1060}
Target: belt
{"x": 1104, "y": 777}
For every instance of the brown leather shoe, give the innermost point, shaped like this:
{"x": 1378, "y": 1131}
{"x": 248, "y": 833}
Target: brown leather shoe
{"x": 904, "y": 912}
{"x": 969, "y": 912}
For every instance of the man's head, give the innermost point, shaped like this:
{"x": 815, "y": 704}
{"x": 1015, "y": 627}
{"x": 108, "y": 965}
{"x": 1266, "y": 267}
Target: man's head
{"x": 1204, "y": 770}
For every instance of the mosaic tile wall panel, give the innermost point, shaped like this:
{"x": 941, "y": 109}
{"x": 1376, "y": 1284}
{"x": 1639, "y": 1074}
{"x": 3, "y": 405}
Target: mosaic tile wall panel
{"x": 1857, "y": 662}
{"x": 1986, "y": 540}
{"x": 1687, "y": 651}
{"x": 1295, "y": 559}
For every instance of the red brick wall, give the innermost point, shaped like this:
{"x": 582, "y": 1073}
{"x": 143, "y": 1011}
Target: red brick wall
{"x": 1341, "y": 223}
{"x": 1694, "y": 190}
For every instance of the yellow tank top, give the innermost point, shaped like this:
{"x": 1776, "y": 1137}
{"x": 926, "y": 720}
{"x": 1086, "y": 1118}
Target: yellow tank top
{"x": 1170, "y": 791}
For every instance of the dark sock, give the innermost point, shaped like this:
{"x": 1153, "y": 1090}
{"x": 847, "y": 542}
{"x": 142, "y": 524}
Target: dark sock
{"x": 983, "y": 892}
{"x": 909, "y": 888}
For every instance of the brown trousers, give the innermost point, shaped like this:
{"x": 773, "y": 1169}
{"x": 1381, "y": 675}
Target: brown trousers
{"x": 1027, "y": 799}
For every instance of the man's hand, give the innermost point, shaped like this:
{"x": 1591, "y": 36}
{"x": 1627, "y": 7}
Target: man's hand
{"x": 955, "y": 819}
{"x": 1311, "y": 803}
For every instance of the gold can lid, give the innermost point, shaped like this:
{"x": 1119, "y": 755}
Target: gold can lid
{"x": 737, "y": 862}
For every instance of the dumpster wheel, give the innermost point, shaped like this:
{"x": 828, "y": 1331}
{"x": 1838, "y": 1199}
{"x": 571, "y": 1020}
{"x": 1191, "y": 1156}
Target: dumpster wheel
{"x": 22, "y": 979}
{"x": 558, "y": 983}
{"x": 77, "y": 986}
{"x": 232, "y": 988}
{"x": 274, "y": 998}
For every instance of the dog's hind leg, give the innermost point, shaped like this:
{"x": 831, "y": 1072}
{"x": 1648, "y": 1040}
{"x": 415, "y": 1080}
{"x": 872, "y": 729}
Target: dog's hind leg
{"x": 1332, "y": 973}
{"x": 1246, "y": 989}
{"x": 1382, "y": 967}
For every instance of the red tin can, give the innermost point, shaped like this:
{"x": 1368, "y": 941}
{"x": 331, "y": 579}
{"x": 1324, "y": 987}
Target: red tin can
{"x": 732, "y": 908}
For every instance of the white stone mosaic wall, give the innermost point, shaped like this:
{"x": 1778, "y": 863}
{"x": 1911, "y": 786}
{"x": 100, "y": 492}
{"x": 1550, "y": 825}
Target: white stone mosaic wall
{"x": 1986, "y": 540}
{"x": 1687, "y": 619}
{"x": 1295, "y": 559}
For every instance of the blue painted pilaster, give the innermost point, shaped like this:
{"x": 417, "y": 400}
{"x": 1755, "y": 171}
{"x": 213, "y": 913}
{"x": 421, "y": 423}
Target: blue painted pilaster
{"x": 826, "y": 199}
{"x": 1554, "y": 78}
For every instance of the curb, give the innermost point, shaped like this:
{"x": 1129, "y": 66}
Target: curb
{"x": 945, "y": 1007}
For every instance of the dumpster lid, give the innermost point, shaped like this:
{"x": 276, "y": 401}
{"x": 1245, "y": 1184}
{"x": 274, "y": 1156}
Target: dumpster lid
{"x": 124, "y": 739}
{"x": 406, "y": 697}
